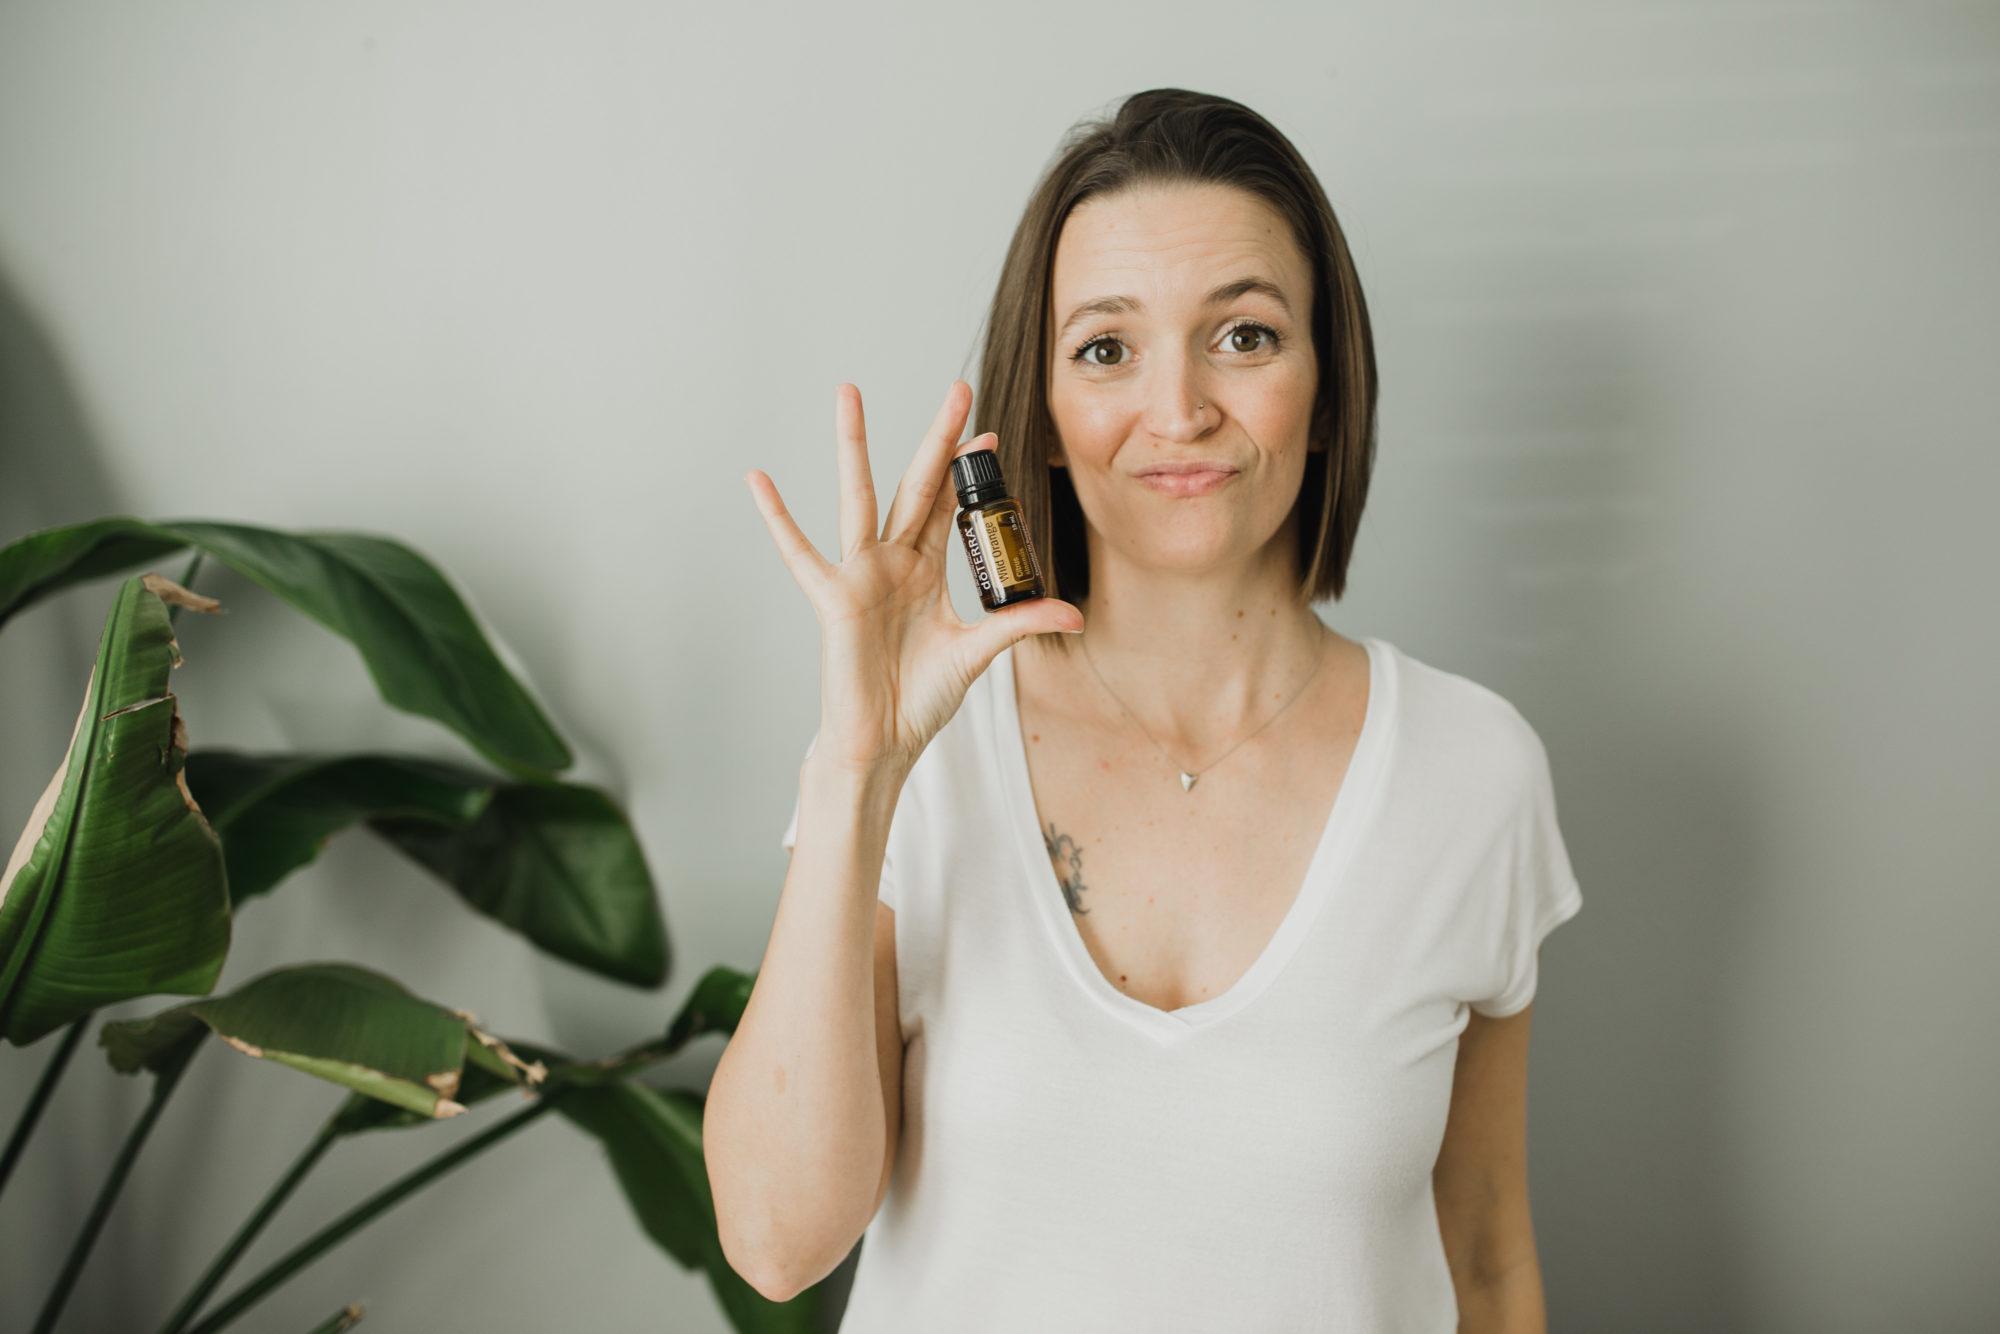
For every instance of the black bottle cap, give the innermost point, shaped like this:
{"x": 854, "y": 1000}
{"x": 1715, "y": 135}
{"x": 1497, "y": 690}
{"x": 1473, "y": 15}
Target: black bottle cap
{"x": 977, "y": 477}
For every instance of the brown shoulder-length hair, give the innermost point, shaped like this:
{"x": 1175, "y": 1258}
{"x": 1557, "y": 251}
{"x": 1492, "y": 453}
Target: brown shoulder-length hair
{"x": 1170, "y": 136}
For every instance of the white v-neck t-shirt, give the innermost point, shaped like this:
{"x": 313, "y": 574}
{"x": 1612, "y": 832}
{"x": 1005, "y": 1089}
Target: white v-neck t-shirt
{"x": 1074, "y": 1159}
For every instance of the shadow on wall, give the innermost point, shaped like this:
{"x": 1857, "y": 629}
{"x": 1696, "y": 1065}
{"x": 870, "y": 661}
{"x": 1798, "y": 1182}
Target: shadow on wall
{"x": 48, "y": 456}
{"x": 51, "y": 474}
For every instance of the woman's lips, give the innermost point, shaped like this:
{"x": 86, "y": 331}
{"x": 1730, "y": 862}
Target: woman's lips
{"x": 1189, "y": 483}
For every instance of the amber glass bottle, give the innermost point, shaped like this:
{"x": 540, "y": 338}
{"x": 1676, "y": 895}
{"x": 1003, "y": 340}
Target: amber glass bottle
{"x": 995, "y": 533}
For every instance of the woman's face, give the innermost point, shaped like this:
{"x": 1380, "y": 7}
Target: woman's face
{"x": 1150, "y": 318}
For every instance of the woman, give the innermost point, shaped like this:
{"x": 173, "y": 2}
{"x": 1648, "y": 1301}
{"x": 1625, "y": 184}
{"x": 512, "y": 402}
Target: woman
{"x": 1152, "y": 957}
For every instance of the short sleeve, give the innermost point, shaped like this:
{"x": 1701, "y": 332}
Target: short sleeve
{"x": 885, "y": 891}
{"x": 1538, "y": 888}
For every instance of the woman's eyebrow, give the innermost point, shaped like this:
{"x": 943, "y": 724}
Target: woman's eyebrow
{"x": 1127, "y": 305}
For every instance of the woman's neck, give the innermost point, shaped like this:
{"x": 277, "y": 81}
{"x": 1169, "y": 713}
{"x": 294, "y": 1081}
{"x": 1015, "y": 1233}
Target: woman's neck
{"x": 1200, "y": 659}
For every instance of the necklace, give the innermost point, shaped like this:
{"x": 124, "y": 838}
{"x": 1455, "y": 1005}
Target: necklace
{"x": 1188, "y": 776}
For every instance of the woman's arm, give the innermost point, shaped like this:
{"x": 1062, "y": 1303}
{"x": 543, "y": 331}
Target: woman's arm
{"x": 795, "y": 1128}
{"x": 1481, "y": 1182}
{"x": 797, "y": 1120}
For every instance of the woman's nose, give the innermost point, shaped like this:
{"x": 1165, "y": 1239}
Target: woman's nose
{"x": 1181, "y": 409}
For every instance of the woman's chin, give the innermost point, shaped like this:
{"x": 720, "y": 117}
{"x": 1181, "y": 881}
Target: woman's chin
{"x": 1193, "y": 552}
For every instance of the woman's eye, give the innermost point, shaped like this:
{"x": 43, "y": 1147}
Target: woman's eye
{"x": 1102, "y": 340}
{"x": 1249, "y": 330}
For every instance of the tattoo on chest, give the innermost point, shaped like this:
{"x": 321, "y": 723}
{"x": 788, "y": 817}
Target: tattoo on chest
{"x": 1068, "y": 859}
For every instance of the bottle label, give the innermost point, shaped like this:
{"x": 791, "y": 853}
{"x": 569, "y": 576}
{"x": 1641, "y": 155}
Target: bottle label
{"x": 975, "y": 551}
{"x": 995, "y": 526}
{"x": 1021, "y": 552}
{"x": 996, "y": 543}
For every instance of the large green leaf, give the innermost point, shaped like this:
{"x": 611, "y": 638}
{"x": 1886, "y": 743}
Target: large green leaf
{"x": 421, "y": 644}
{"x": 715, "y": 1006}
{"x": 361, "y": 1113}
{"x": 653, "y": 1139}
{"x": 116, "y": 888}
{"x": 275, "y": 813}
{"x": 47, "y": 561}
{"x": 342, "y": 1023}
{"x": 557, "y": 862}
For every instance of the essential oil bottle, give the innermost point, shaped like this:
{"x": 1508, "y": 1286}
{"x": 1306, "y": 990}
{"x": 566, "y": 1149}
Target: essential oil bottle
{"x": 995, "y": 533}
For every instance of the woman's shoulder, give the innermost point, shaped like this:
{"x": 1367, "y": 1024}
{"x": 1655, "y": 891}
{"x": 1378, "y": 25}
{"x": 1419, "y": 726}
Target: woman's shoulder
{"x": 1464, "y": 721}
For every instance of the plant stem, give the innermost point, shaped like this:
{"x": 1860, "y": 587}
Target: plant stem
{"x": 164, "y": 1083}
{"x": 347, "y": 1317}
{"x": 337, "y": 1231}
{"x": 39, "y": 1098}
{"x": 246, "y": 1234}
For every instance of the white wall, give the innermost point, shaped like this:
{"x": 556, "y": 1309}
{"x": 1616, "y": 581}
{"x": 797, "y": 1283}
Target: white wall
{"x": 1686, "y": 331}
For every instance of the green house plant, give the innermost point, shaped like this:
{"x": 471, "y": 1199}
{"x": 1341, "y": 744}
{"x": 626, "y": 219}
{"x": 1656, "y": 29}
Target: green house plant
{"x": 141, "y": 850}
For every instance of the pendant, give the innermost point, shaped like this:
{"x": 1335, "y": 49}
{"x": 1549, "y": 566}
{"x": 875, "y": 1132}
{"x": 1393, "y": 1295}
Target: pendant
{"x": 1187, "y": 781}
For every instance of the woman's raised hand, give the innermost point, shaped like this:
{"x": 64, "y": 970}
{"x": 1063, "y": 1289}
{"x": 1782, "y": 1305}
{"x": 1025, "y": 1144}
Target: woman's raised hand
{"x": 895, "y": 659}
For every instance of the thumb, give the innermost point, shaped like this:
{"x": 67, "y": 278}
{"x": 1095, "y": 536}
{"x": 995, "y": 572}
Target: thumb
{"x": 995, "y": 632}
